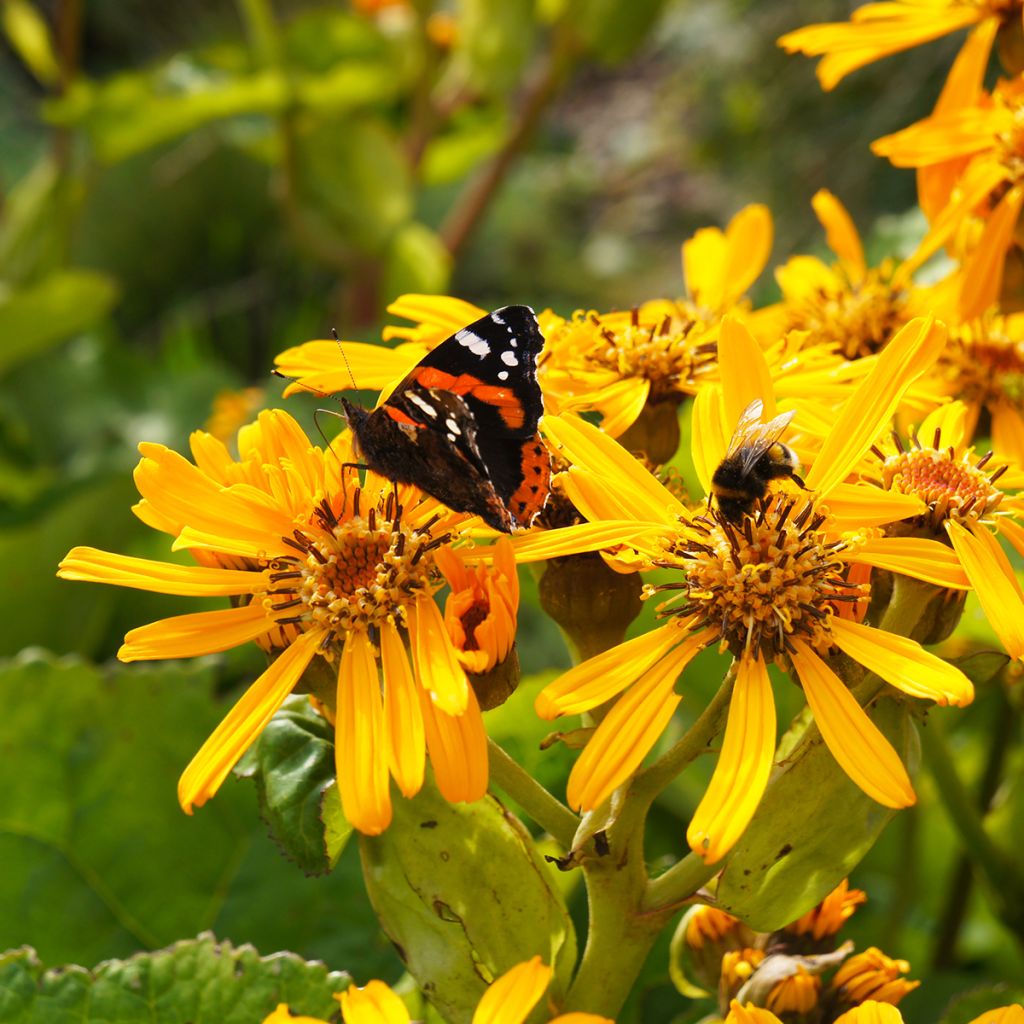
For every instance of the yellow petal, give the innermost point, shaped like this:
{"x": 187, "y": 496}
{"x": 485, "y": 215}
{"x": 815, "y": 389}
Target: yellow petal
{"x": 903, "y": 663}
{"x": 186, "y": 636}
{"x": 580, "y": 1018}
{"x": 1013, "y": 532}
{"x": 538, "y": 545}
{"x": 872, "y": 1012}
{"x": 983, "y": 269}
{"x": 437, "y": 665}
{"x": 854, "y": 506}
{"x": 600, "y": 678}
{"x": 458, "y": 749}
{"x": 704, "y": 261}
{"x": 744, "y": 371}
{"x": 281, "y": 1015}
{"x": 854, "y": 740}
{"x": 95, "y": 566}
{"x": 994, "y": 582}
{"x": 244, "y": 722}
{"x": 869, "y": 409}
{"x": 373, "y": 1004}
{"x": 708, "y": 439}
{"x": 444, "y": 311}
{"x": 403, "y": 719}
{"x": 843, "y": 238}
{"x": 748, "y": 239}
{"x": 621, "y": 403}
{"x": 512, "y": 996}
{"x": 923, "y": 559}
{"x": 586, "y": 446}
{"x": 360, "y": 749}
{"x": 750, "y": 1014}
{"x": 628, "y": 731}
{"x": 743, "y": 766}
{"x": 1003, "y": 1015}
{"x": 1008, "y": 430}
{"x": 320, "y": 366}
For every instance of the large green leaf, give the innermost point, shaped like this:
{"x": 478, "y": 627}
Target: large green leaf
{"x": 98, "y": 859}
{"x": 464, "y": 896}
{"x": 40, "y": 315}
{"x": 201, "y": 981}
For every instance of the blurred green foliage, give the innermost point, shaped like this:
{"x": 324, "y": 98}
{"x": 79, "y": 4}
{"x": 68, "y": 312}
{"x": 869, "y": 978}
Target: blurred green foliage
{"x": 187, "y": 190}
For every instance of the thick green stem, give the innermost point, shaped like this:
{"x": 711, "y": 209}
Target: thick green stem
{"x": 531, "y": 796}
{"x": 1005, "y": 880}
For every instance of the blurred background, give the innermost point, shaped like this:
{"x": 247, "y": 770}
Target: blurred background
{"x": 188, "y": 189}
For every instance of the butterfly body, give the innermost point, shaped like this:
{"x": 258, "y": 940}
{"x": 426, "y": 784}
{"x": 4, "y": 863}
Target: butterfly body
{"x": 462, "y": 425}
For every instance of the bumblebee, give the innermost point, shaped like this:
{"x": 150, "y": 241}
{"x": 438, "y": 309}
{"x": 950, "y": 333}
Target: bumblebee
{"x": 755, "y": 457}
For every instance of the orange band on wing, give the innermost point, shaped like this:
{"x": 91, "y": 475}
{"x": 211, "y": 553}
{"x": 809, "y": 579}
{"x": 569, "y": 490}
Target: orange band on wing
{"x": 501, "y": 398}
{"x": 400, "y": 417}
{"x": 532, "y": 494}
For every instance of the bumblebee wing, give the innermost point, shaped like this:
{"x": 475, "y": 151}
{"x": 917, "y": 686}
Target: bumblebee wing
{"x": 749, "y": 421}
{"x": 761, "y": 436}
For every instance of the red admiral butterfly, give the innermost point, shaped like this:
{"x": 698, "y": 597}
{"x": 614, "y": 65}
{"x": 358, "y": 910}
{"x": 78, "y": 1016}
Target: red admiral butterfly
{"x": 462, "y": 426}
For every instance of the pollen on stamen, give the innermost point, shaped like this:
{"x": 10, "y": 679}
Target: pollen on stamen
{"x": 353, "y": 571}
{"x": 953, "y": 485}
{"x": 756, "y": 588}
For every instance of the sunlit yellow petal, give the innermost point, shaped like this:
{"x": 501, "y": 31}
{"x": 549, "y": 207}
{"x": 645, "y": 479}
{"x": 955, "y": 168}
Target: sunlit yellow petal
{"x": 580, "y": 1018}
{"x": 704, "y": 260}
{"x": 586, "y": 446}
{"x": 244, "y": 722}
{"x": 1014, "y": 533}
{"x": 854, "y": 740}
{"x": 903, "y": 663}
{"x": 855, "y": 506}
{"x": 621, "y": 403}
{"x": 443, "y": 311}
{"x": 870, "y": 408}
{"x": 923, "y": 559}
{"x": 281, "y": 1015}
{"x": 403, "y": 719}
{"x": 458, "y": 749}
{"x": 510, "y": 998}
{"x": 600, "y": 678}
{"x": 842, "y": 237}
{"x": 437, "y": 665}
{"x": 360, "y": 748}
{"x": 538, "y": 545}
{"x": 750, "y": 1014}
{"x": 748, "y": 239}
{"x": 629, "y": 731}
{"x": 983, "y": 269}
{"x": 994, "y": 582}
{"x": 1008, "y": 429}
{"x": 186, "y": 636}
{"x": 375, "y": 1003}
{"x": 95, "y": 566}
{"x": 708, "y": 439}
{"x": 743, "y": 765}
{"x": 1003, "y": 1015}
{"x": 744, "y": 371}
{"x": 872, "y": 1012}
{"x": 321, "y": 365}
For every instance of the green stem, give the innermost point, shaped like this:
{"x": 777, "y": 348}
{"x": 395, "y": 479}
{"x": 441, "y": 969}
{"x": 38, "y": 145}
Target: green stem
{"x": 532, "y": 797}
{"x": 677, "y": 886}
{"x": 1003, "y": 877}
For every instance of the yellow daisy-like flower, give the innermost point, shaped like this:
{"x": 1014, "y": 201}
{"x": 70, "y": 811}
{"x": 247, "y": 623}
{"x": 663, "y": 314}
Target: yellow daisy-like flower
{"x": 850, "y": 305}
{"x": 872, "y": 975}
{"x": 767, "y": 590}
{"x": 318, "y": 567}
{"x": 709, "y": 925}
{"x": 796, "y": 994}
{"x": 830, "y": 914}
{"x": 870, "y": 1012}
{"x": 616, "y": 363}
{"x": 963, "y": 502}
{"x": 878, "y": 30}
{"x": 983, "y": 366}
{"x": 968, "y": 153}
{"x": 508, "y": 1000}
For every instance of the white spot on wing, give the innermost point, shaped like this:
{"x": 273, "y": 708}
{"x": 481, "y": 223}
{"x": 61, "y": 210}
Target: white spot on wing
{"x": 425, "y": 406}
{"x": 477, "y": 345}
{"x": 503, "y": 375}
{"x": 452, "y": 425}
{"x": 498, "y": 318}
{"x": 509, "y": 359}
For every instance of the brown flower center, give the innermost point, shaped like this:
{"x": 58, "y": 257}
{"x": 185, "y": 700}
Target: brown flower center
{"x": 984, "y": 364}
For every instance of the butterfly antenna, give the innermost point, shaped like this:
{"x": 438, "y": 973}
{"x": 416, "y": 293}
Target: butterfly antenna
{"x": 341, "y": 349}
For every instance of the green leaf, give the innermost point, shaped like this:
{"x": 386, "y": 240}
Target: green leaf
{"x": 201, "y": 981}
{"x": 39, "y": 316}
{"x": 292, "y": 764}
{"x": 464, "y": 896}
{"x": 417, "y": 262}
{"x": 29, "y": 36}
{"x": 473, "y": 137}
{"x": 98, "y": 859}
{"x": 614, "y": 30}
{"x": 812, "y": 827}
{"x": 495, "y": 41}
